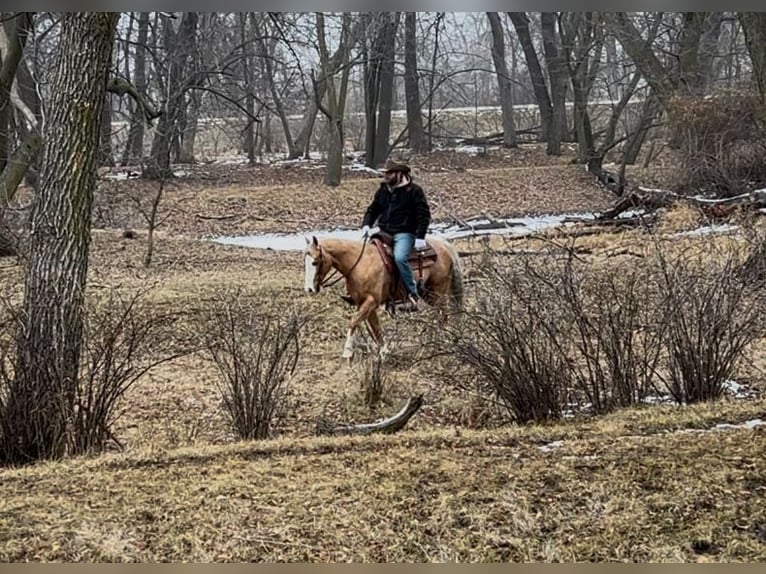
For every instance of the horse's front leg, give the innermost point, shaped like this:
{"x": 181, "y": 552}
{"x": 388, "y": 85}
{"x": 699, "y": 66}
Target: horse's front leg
{"x": 367, "y": 307}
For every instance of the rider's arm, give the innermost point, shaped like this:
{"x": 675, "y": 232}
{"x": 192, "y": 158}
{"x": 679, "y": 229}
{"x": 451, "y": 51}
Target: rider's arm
{"x": 423, "y": 214}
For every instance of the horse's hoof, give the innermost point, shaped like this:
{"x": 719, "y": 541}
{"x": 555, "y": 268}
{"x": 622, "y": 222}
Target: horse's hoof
{"x": 347, "y": 354}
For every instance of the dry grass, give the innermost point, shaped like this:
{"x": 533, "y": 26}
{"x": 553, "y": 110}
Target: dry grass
{"x": 626, "y": 488}
{"x": 621, "y": 487}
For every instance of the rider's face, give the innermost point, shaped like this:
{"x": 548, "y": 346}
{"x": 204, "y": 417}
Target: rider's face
{"x": 392, "y": 177}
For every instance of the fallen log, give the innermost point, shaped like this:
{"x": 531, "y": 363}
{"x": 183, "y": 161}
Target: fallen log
{"x": 497, "y": 137}
{"x": 387, "y": 426}
{"x": 651, "y": 199}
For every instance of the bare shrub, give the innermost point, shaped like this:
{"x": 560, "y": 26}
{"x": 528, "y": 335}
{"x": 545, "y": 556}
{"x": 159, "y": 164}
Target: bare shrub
{"x": 722, "y": 140}
{"x": 617, "y": 346}
{"x": 122, "y": 340}
{"x": 510, "y": 342}
{"x": 125, "y": 337}
{"x": 256, "y": 353}
{"x": 712, "y": 316}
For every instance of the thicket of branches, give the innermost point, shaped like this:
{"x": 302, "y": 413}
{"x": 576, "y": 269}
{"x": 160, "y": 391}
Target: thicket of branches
{"x": 550, "y": 335}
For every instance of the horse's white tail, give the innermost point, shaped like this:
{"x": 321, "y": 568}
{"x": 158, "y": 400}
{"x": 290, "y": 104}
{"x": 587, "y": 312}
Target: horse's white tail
{"x": 456, "y": 283}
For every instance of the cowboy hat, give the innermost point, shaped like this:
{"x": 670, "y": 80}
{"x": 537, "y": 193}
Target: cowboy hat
{"x": 393, "y": 166}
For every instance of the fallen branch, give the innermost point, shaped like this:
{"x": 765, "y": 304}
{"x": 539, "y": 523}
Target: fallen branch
{"x": 386, "y": 426}
{"x": 218, "y": 217}
{"x": 651, "y": 199}
{"x": 497, "y": 138}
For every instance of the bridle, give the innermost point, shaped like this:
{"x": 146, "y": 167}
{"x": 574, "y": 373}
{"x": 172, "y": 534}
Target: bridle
{"x": 326, "y": 281}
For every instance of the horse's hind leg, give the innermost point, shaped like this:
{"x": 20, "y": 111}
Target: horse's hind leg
{"x": 373, "y": 320}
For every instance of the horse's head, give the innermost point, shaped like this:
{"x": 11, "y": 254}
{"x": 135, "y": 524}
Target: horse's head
{"x": 318, "y": 265}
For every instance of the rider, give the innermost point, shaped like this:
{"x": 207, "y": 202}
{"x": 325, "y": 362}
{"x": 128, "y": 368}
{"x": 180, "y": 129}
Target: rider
{"x": 401, "y": 210}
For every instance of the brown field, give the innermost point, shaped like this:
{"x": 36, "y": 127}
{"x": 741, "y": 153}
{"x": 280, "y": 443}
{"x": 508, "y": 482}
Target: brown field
{"x": 455, "y": 485}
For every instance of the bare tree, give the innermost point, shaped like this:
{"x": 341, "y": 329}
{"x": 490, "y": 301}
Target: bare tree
{"x": 335, "y": 96}
{"x": 379, "y": 84}
{"x": 556, "y": 65}
{"x": 178, "y": 45}
{"x": 582, "y": 45}
{"x": 520, "y": 22}
{"x": 134, "y": 147}
{"x": 505, "y": 88}
{"x": 41, "y": 398}
{"x": 754, "y": 27}
{"x": 412, "y": 86}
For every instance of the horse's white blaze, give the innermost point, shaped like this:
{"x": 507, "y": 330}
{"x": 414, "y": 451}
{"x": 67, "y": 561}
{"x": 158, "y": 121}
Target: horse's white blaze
{"x": 310, "y": 274}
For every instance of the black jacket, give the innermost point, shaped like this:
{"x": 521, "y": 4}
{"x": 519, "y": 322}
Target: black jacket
{"x": 400, "y": 209}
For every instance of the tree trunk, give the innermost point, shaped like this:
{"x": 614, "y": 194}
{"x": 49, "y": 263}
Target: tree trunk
{"x": 105, "y": 137}
{"x": 335, "y": 95}
{"x": 754, "y": 27}
{"x": 266, "y": 50}
{"x": 31, "y": 98}
{"x": 558, "y": 83}
{"x": 14, "y": 35}
{"x": 689, "y": 63}
{"x": 189, "y": 132}
{"x": 4, "y": 127}
{"x": 652, "y": 108}
{"x": 13, "y": 38}
{"x": 386, "y": 90}
{"x": 178, "y": 47}
{"x": 521, "y": 24}
{"x": 582, "y": 44}
{"x": 708, "y": 50}
{"x": 303, "y": 140}
{"x": 639, "y": 50}
{"x": 432, "y": 80}
{"x": 17, "y": 167}
{"x": 412, "y": 86}
{"x": 41, "y": 400}
{"x": 505, "y": 89}
{"x": 373, "y": 58}
{"x": 134, "y": 147}
{"x": 247, "y": 63}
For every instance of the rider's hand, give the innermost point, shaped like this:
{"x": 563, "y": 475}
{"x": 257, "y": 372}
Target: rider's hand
{"x": 365, "y": 231}
{"x": 420, "y": 244}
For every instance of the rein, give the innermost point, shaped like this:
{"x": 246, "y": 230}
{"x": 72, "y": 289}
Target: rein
{"x": 326, "y": 281}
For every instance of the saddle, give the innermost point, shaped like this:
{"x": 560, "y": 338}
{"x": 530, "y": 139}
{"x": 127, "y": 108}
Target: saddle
{"x": 419, "y": 260}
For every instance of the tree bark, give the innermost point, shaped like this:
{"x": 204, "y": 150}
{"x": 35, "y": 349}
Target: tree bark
{"x": 754, "y": 28}
{"x": 178, "y": 46}
{"x": 41, "y": 400}
{"x": 386, "y": 90}
{"x": 189, "y": 130}
{"x": 267, "y": 56}
{"x": 505, "y": 88}
{"x": 17, "y": 167}
{"x": 708, "y": 50}
{"x": 105, "y": 157}
{"x": 659, "y": 78}
{"x": 521, "y": 24}
{"x": 247, "y": 63}
{"x": 412, "y": 86}
{"x": 134, "y": 147}
{"x": 558, "y": 82}
{"x": 582, "y": 45}
{"x": 13, "y": 38}
{"x": 335, "y": 95}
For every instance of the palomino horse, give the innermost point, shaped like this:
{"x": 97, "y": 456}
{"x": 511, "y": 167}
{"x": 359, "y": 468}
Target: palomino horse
{"x": 370, "y": 284}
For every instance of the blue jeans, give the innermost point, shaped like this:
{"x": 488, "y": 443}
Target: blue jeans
{"x": 403, "y": 244}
